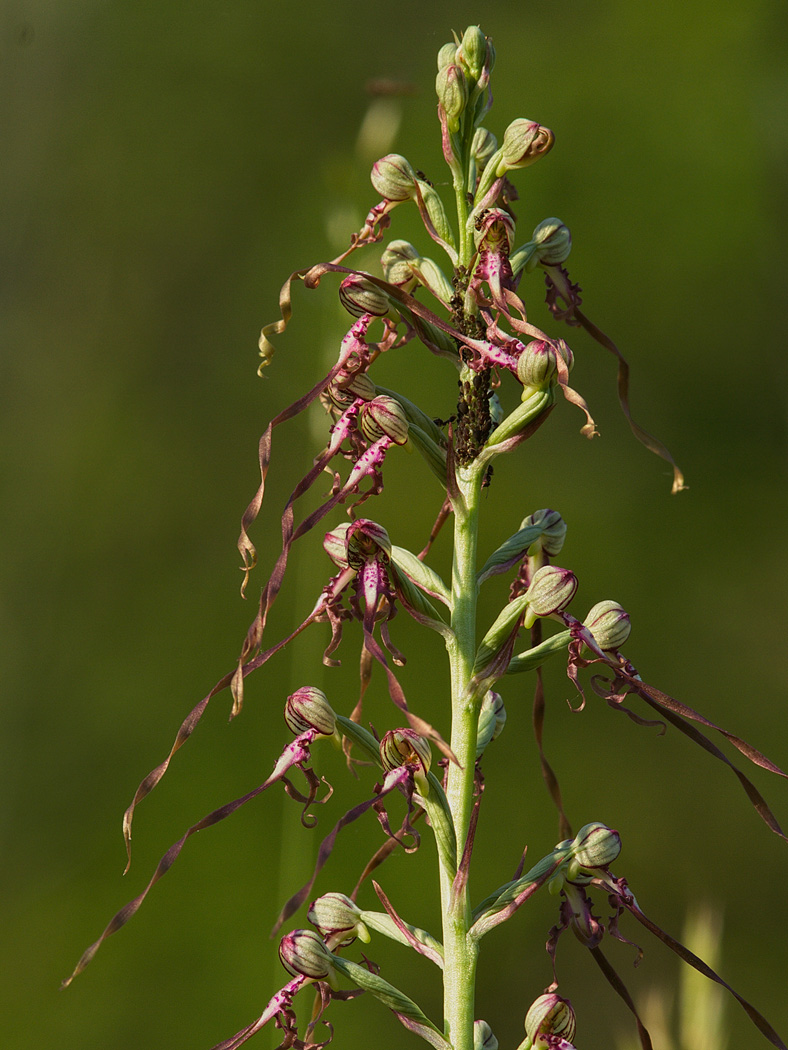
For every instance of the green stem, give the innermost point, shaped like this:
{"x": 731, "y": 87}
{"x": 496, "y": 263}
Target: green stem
{"x": 460, "y": 950}
{"x": 459, "y": 971}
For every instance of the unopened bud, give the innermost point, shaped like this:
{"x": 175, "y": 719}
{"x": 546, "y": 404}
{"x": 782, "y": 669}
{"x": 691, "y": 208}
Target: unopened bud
{"x": 550, "y": 245}
{"x": 524, "y": 142}
{"x": 551, "y": 590}
{"x": 538, "y": 364}
{"x": 383, "y": 416}
{"x": 360, "y": 296}
{"x": 483, "y": 1038}
{"x": 482, "y": 148}
{"x": 404, "y": 747}
{"x": 337, "y": 918}
{"x": 596, "y": 846}
{"x": 472, "y": 52}
{"x": 447, "y": 55}
{"x": 609, "y": 623}
{"x": 397, "y": 261}
{"x": 394, "y": 178}
{"x": 553, "y": 529}
{"x": 308, "y": 708}
{"x": 451, "y": 86}
{"x": 553, "y": 242}
{"x": 304, "y": 953}
{"x": 550, "y": 1015}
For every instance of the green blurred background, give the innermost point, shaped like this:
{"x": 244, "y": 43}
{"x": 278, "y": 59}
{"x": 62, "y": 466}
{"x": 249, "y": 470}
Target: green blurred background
{"x": 165, "y": 166}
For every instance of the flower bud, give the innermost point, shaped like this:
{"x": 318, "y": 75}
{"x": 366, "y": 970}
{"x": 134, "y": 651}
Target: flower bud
{"x": 360, "y": 296}
{"x": 304, "y": 953}
{"x": 551, "y": 590}
{"x": 335, "y": 544}
{"x": 308, "y": 708}
{"x": 483, "y": 1038}
{"x": 451, "y": 86}
{"x": 472, "y": 52}
{"x": 383, "y": 416}
{"x": 446, "y": 55}
{"x": 553, "y": 242}
{"x": 366, "y": 539}
{"x": 337, "y": 918}
{"x": 524, "y": 142}
{"x": 404, "y": 747}
{"x": 553, "y": 529}
{"x": 596, "y": 846}
{"x": 394, "y": 178}
{"x": 550, "y": 1015}
{"x": 609, "y": 623}
{"x": 537, "y": 363}
{"x": 482, "y": 148}
{"x": 397, "y": 262}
